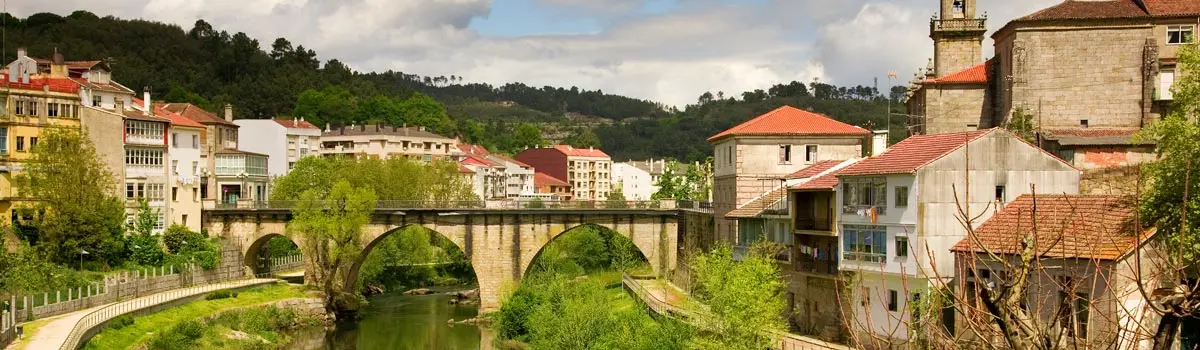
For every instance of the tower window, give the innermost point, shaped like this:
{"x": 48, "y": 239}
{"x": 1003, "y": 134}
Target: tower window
{"x": 959, "y": 7}
{"x": 1083, "y": 123}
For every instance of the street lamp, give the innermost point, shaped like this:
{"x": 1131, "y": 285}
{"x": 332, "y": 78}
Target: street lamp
{"x": 82, "y": 252}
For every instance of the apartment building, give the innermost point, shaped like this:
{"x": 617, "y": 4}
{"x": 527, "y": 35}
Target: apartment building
{"x": 220, "y": 136}
{"x": 898, "y": 214}
{"x": 184, "y": 178}
{"x": 146, "y": 159}
{"x": 510, "y": 178}
{"x": 634, "y": 182}
{"x": 752, "y": 158}
{"x": 488, "y": 180}
{"x": 285, "y": 141}
{"x": 382, "y": 141}
{"x": 1087, "y": 74}
{"x": 587, "y": 171}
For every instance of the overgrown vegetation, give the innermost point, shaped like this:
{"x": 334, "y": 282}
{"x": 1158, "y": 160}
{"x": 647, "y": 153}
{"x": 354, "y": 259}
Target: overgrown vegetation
{"x": 745, "y": 297}
{"x": 415, "y": 257}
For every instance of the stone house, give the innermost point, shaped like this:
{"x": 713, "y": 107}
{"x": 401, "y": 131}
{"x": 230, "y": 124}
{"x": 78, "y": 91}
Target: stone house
{"x": 1089, "y": 285}
{"x": 1079, "y": 65}
{"x": 898, "y": 214}
{"x": 752, "y": 159}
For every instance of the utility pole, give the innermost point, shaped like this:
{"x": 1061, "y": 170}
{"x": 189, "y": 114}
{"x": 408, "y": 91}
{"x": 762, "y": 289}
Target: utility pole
{"x": 891, "y": 75}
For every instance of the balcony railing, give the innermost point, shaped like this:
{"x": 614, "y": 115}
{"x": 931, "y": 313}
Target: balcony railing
{"x": 811, "y": 224}
{"x": 958, "y": 25}
{"x": 479, "y": 204}
{"x": 854, "y": 209}
{"x": 865, "y": 257}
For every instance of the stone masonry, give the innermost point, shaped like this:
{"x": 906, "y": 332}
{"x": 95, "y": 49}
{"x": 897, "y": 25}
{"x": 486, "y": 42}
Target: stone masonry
{"x": 500, "y": 243}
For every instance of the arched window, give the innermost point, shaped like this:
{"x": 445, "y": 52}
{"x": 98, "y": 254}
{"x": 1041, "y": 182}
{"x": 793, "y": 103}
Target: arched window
{"x": 959, "y": 7}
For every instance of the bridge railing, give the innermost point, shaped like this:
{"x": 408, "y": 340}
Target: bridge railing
{"x": 479, "y": 204}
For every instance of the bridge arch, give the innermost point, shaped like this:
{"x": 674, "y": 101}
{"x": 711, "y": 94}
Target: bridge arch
{"x": 374, "y": 239}
{"x": 261, "y": 254}
{"x": 614, "y": 242}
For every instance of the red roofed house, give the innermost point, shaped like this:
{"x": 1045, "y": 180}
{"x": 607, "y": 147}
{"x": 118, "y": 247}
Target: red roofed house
{"x": 504, "y": 177}
{"x": 547, "y": 184}
{"x": 147, "y": 175}
{"x": 1077, "y": 65}
{"x": 184, "y": 149}
{"x": 753, "y": 158}
{"x": 901, "y": 207}
{"x": 587, "y": 170}
{"x": 285, "y": 140}
{"x": 1089, "y": 241}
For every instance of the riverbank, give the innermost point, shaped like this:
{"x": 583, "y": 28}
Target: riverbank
{"x": 131, "y": 332}
{"x": 396, "y": 321}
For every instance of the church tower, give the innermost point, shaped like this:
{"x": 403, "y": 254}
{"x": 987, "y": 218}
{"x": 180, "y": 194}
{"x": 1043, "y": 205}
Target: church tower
{"x": 957, "y": 37}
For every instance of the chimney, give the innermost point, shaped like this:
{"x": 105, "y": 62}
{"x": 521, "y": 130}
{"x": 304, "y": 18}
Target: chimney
{"x": 421, "y": 128}
{"x": 295, "y": 122}
{"x": 342, "y": 129}
{"x": 20, "y": 52}
{"x": 327, "y": 127}
{"x": 146, "y": 100}
{"x": 228, "y": 112}
{"x": 57, "y": 58}
{"x": 120, "y": 106}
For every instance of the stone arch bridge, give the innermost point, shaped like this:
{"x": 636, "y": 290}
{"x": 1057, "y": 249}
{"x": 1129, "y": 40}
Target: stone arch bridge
{"x": 501, "y": 243}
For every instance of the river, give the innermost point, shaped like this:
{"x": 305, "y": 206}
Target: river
{"x": 401, "y": 322}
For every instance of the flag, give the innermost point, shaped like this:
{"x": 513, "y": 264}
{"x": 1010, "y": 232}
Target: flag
{"x": 84, "y": 252}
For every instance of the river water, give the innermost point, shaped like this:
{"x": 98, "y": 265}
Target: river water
{"x": 401, "y": 322}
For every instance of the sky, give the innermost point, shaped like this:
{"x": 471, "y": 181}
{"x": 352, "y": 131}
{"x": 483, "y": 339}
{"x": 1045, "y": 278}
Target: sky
{"x": 669, "y": 51}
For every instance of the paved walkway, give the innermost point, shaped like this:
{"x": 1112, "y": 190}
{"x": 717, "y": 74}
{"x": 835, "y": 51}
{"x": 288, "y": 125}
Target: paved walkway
{"x": 665, "y": 297}
{"x": 54, "y": 333}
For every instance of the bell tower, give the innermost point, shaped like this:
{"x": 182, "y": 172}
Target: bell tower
{"x": 957, "y": 37}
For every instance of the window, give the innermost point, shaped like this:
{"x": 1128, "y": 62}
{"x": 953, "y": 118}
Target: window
{"x": 20, "y": 144}
{"x": 893, "y": 300}
{"x": 196, "y": 141}
{"x": 1182, "y": 34}
{"x": 19, "y": 108}
{"x": 195, "y": 168}
{"x": 143, "y": 157}
{"x": 810, "y": 153}
{"x": 3, "y": 140}
{"x": 175, "y": 139}
{"x": 95, "y": 101}
{"x": 959, "y": 7}
{"x": 195, "y": 194}
{"x": 184, "y": 220}
{"x": 901, "y": 247}
{"x": 156, "y": 192}
{"x": 1074, "y": 315}
{"x": 52, "y": 109}
{"x": 863, "y": 193}
{"x": 33, "y": 108}
{"x": 174, "y": 194}
{"x": 130, "y": 191}
{"x": 1083, "y": 123}
{"x": 901, "y": 196}
{"x": 1000, "y": 193}
{"x": 146, "y": 131}
{"x": 32, "y": 142}
{"x": 1166, "y": 78}
{"x": 729, "y": 154}
{"x": 785, "y": 154}
{"x": 1067, "y": 154}
{"x": 864, "y": 243}
{"x": 175, "y": 166}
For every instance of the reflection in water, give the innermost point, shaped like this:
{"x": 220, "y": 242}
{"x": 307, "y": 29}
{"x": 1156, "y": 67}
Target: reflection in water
{"x": 397, "y": 321}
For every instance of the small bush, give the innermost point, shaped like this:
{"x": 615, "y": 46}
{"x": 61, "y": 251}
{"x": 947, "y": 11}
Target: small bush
{"x": 121, "y": 322}
{"x": 181, "y": 336}
{"x": 220, "y": 294}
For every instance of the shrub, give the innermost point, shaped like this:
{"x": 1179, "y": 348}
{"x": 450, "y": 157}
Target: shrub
{"x": 220, "y": 294}
{"x": 181, "y": 336}
{"x": 121, "y": 322}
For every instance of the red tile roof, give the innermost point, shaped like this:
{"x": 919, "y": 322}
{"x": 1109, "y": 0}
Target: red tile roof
{"x": 580, "y": 152}
{"x": 176, "y": 119}
{"x": 296, "y": 124}
{"x": 510, "y": 160}
{"x": 913, "y": 153}
{"x": 821, "y": 183}
{"x": 63, "y": 85}
{"x": 1068, "y": 226}
{"x": 190, "y": 111}
{"x": 974, "y": 75}
{"x": 139, "y": 114}
{"x": 541, "y": 179}
{"x": 1071, "y": 9}
{"x": 788, "y": 120}
{"x": 1173, "y": 7}
{"x": 473, "y": 149}
{"x": 477, "y": 160}
{"x": 814, "y": 170}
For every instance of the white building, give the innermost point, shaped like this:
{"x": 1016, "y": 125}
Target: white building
{"x": 634, "y": 182}
{"x": 901, "y": 207}
{"x": 146, "y": 160}
{"x": 184, "y": 174}
{"x": 284, "y": 141}
{"x": 496, "y": 176}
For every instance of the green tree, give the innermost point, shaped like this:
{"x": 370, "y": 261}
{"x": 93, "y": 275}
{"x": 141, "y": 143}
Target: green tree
{"x": 328, "y": 105}
{"x": 420, "y": 109}
{"x": 746, "y": 298}
{"x": 583, "y": 138}
{"x": 380, "y": 109}
{"x": 671, "y": 185}
{"x": 144, "y": 248}
{"x": 332, "y": 224}
{"x": 616, "y": 198}
{"x": 74, "y": 190}
{"x": 438, "y": 180}
{"x": 1021, "y": 123}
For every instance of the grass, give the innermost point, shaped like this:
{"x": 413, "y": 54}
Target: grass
{"x": 144, "y": 327}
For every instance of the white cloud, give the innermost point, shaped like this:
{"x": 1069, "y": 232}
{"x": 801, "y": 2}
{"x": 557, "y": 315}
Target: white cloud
{"x": 703, "y": 45}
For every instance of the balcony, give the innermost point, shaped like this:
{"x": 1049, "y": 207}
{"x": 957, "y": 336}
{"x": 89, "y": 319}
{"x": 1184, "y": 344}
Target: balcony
{"x": 962, "y": 26}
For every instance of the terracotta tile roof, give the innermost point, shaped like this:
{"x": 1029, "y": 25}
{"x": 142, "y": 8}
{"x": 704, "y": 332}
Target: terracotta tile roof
{"x": 758, "y": 205}
{"x": 542, "y": 179}
{"x": 913, "y": 153}
{"x": 473, "y": 149}
{"x": 581, "y": 152}
{"x": 824, "y": 182}
{"x": 295, "y": 124}
{"x": 464, "y": 170}
{"x": 64, "y": 85}
{"x": 176, "y": 119}
{"x": 1094, "y": 137}
{"x": 788, "y": 120}
{"x": 477, "y": 160}
{"x": 137, "y": 113}
{"x": 814, "y": 170}
{"x": 190, "y": 111}
{"x": 1068, "y": 226}
{"x": 1072, "y": 9}
{"x": 510, "y": 160}
{"x": 974, "y": 75}
{"x": 1173, "y": 7}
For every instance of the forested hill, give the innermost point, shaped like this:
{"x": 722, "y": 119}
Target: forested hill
{"x": 211, "y": 67}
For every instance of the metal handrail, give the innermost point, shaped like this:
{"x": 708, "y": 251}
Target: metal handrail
{"x": 479, "y": 204}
